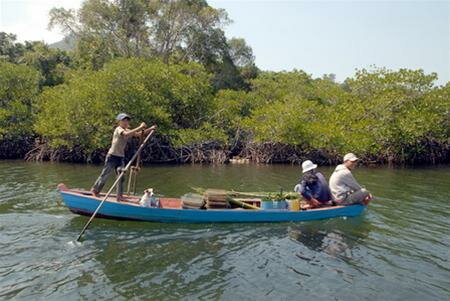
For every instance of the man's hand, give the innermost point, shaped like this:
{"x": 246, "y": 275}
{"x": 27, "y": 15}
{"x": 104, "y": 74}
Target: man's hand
{"x": 337, "y": 202}
{"x": 148, "y": 130}
{"x": 137, "y": 131}
{"x": 314, "y": 202}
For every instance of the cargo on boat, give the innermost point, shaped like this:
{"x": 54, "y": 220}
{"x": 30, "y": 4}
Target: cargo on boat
{"x": 171, "y": 210}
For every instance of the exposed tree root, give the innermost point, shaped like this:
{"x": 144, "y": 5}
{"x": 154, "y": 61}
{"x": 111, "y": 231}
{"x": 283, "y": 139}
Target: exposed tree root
{"x": 160, "y": 151}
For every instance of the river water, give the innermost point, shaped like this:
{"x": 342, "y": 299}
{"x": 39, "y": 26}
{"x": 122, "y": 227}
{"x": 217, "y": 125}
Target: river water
{"x": 398, "y": 250}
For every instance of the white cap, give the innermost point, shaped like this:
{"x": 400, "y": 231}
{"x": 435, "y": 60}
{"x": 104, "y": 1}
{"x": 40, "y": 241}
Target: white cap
{"x": 308, "y": 165}
{"x": 350, "y": 157}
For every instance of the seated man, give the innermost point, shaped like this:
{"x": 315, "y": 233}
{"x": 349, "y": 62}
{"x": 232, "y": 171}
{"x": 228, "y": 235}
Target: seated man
{"x": 313, "y": 186}
{"x": 345, "y": 189}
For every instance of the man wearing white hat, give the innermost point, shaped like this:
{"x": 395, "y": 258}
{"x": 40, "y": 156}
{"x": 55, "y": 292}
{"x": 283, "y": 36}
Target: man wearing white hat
{"x": 313, "y": 186}
{"x": 344, "y": 187}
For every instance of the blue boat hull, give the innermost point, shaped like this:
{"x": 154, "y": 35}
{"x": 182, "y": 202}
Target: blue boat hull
{"x": 86, "y": 205}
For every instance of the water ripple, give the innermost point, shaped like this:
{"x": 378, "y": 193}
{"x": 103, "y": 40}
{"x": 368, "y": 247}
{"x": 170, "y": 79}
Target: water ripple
{"x": 399, "y": 249}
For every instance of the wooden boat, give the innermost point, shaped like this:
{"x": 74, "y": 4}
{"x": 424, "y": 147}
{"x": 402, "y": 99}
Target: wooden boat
{"x": 170, "y": 210}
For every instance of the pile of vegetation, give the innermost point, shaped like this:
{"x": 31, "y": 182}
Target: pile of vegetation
{"x": 169, "y": 63}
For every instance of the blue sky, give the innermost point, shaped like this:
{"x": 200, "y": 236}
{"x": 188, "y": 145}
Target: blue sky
{"x": 316, "y": 36}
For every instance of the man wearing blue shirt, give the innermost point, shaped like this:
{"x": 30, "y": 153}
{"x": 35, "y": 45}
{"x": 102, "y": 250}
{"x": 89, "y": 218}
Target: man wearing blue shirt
{"x": 313, "y": 186}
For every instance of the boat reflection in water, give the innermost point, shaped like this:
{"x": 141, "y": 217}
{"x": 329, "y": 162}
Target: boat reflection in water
{"x": 333, "y": 237}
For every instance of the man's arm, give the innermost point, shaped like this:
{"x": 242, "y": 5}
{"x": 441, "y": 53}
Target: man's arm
{"x": 144, "y": 132}
{"x": 128, "y": 133}
{"x": 308, "y": 196}
{"x": 304, "y": 191}
{"x": 350, "y": 181}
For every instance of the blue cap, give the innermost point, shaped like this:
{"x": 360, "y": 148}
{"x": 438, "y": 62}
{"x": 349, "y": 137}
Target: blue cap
{"x": 122, "y": 116}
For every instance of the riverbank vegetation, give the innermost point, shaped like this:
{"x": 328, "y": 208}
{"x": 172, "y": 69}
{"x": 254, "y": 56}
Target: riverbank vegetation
{"x": 170, "y": 63}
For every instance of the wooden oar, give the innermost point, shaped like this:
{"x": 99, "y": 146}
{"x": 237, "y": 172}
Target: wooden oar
{"x": 122, "y": 173}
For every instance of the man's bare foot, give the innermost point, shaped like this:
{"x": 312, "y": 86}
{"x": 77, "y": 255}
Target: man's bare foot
{"x": 367, "y": 200}
{"x": 95, "y": 193}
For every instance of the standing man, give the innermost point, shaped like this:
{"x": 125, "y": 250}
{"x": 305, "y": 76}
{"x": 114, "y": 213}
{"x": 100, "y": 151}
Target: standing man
{"x": 115, "y": 157}
{"x": 343, "y": 185}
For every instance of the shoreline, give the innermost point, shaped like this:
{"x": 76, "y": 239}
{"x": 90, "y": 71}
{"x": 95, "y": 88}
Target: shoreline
{"x": 378, "y": 165}
{"x": 160, "y": 153}
{"x": 250, "y": 163}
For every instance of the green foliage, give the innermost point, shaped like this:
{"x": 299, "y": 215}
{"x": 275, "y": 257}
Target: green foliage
{"x": 292, "y": 121}
{"x": 169, "y": 63}
{"x": 51, "y": 63}
{"x": 240, "y": 52}
{"x": 19, "y": 85}
{"x": 381, "y": 113}
{"x": 231, "y": 108}
{"x": 402, "y": 109}
{"x": 205, "y": 133}
{"x": 273, "y": 86}
{"x": 81, "y": 111}
{"x": 173, "y": 31}
{"x": 242, "y": 56}
{"x": 10, "y": 51}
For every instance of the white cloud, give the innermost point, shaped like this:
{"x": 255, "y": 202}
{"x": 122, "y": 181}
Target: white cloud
{"x": 28, "y": 19}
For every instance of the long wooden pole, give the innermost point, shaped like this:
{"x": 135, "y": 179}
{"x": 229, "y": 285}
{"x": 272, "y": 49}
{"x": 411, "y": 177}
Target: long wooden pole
{"x": 122, "y": 173}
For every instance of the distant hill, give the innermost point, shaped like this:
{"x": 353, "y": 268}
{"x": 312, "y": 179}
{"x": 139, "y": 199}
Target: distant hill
{"x": 67, "y": 44}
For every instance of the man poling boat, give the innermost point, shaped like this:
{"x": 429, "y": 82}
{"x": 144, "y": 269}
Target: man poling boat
{"x": 115, "y": 158}
{"x": 117, "y": 148}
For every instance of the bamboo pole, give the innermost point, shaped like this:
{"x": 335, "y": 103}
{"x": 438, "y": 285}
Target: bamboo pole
{"x": 242, "y": 204}
{"x": 261, "y": 194}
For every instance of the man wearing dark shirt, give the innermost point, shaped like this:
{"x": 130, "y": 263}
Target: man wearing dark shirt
{"x": 313, "y": 186}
